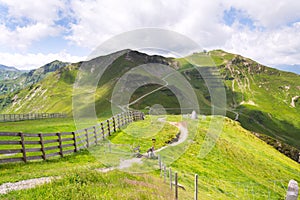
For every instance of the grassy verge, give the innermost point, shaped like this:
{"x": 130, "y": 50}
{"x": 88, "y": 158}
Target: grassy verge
{"x": 94, "y": 185}
{"x": 240, "y": 166}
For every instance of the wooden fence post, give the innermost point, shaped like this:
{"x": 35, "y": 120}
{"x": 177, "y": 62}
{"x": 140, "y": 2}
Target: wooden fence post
{"x": 114, "y": 124}
{"x": 108, "y": 127}
{"x": 176, "y": 186}
{"x": 95, "y": 135}
{"x": 42, "y": 146}
{"x": 102, "y": 129}
{"x": 118, "y": 120}
{"x": 60, "y": 145}
{"x": 196, "y": 187}
{"x": 23, "y": 147}
{"x": 87, "y": 138}
{"x": 159, "y": 162}
{"x": 170, "y": 175}
{"x": 293, "y": 190}
{"x": 74, "y": 139}
{"x": 165, "y": 173}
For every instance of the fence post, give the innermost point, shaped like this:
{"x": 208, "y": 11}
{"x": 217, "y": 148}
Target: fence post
{"x": 293, "y": 190}
{"x": 176, "y": 186}
{"x": 114, "y": 124}
{"x": 23, "y": 147}
{"x": 42, "y": 146}
{"x": 159, "y": 161}
{"x": 74, "y": 139}
{"x": 108, "y": 127}
{"x": 87, "y": 138}
{"x": 170, "y": 175}
{"x": 118, "y": 120}
{"x": 95, "y": 134}
{"x": 60, "y": 145}
{"x": 102, "y": 129}
{"x": 196, "y": 187}
{"x": 165, "y": 173}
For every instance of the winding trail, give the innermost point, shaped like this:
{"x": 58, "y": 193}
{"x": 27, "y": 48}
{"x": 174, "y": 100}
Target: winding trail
{"x": 24, "y": 184}
{"x": 182, "y": 126}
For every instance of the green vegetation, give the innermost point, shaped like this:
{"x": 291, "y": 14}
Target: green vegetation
{"x": 261, "y": 95}
{"x": 240, "y": 166}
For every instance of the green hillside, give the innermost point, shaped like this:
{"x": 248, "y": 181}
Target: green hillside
{"x": 240, "y": 166}
{"x": 262, "y": 99}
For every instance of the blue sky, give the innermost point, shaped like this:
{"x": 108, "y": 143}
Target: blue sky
{"x": 33, "y": 33}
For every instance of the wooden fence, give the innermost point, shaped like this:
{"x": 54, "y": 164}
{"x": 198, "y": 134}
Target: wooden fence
{"x": 29, "y": 116}
{"x": 16, "y": 147}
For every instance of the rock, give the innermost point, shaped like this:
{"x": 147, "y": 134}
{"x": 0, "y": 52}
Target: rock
{"x": 194, "y": 115}
{"x": 292, "y": 192}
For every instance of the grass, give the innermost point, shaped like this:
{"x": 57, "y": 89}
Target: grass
{"x": 240, "y": 166}
{"x": 94, "y": 185}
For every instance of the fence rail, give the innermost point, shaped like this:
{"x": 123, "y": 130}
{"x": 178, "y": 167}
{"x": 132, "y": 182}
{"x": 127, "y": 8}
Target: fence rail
{"x": 16, "y": 147}
{"x": 29, "y": 116}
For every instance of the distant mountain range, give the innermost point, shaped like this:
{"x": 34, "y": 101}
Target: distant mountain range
{"x": 264, "y": 100}
{"x": 6, "y": 68}
{"x": 12, "y": 79}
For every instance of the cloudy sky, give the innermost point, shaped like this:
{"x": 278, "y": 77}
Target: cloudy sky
{"x": 33, "y": 33}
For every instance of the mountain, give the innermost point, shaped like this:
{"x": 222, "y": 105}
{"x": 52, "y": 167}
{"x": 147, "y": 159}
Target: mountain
{"x": 6, "y": 68}
{"x": 264, "y": 100}
{"x": 12, "y": 79}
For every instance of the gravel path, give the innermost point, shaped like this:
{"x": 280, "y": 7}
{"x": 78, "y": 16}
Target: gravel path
{"x": 25, "y": 184}
{"x": 182, "y": 126}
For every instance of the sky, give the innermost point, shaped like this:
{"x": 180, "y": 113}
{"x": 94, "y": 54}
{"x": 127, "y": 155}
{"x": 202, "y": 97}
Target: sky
{"x": 33, "y": 33}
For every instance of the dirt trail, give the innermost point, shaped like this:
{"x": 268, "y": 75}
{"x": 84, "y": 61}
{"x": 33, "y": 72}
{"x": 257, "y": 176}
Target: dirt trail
{"x": 182, "y": 126}
{"x": 25, "y": 184}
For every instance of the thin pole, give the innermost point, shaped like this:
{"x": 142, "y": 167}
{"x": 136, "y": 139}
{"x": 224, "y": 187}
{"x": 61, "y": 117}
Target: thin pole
{"x": 176, "y": 186}
{"x": 196, "y": 187}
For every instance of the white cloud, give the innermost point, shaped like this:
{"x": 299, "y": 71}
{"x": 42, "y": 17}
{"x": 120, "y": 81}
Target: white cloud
{"x": 273, "y": 40}
{"x": 38, "y": 11}
{"x": 31, "y": 61}
{"x": 22, "y": 37}
{"x": 28, "y": 21}
{"x": 270, "y": 47}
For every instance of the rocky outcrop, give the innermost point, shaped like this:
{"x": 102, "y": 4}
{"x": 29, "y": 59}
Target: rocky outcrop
{"x": 294, "y": 100}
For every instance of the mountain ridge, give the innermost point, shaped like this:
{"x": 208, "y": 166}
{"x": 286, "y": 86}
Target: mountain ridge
{"x": 252, "y": 91}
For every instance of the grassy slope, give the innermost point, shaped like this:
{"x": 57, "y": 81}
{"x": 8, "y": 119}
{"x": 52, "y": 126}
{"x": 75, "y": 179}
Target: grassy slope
{"x": 79, "y": 180}
{"x": 239, "y": 167}
{"x": 271, "y": 113}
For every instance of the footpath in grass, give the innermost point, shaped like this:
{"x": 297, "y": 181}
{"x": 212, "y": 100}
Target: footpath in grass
{"x": 240, "y": 166}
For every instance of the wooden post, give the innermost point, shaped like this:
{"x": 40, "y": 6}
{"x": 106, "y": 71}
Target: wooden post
{"x": 95, "y": 135}
{"x": 130, "y": 116}
{"x": 108, "y": 127}
{"x": 114, "y": 124}
{"x": 196, "y": 187}
{"x": 42, "y": 146}
{"x": 176, "y": 186}
{"x": 293, "y": 190}
{"x": 23, "y": 147}
{"x": 74, "y": 139}
{"x": 159, "y": 162}
{"x": 118, "y": 120}
{"x": 102, "y": 129}
{"x": 165, "y": 174}
{"x": 87, "y": 138}
{"x": 170, "y": 175}
{"x": 60, "y": 145}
